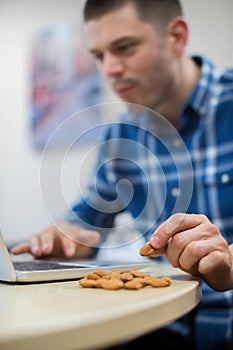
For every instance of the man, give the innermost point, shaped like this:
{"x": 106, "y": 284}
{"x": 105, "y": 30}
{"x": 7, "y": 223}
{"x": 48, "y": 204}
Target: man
{"x": 139, "y": 47}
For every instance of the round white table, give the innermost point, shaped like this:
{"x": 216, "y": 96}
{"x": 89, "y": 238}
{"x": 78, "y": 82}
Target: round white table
{"x": 65, "y": 316}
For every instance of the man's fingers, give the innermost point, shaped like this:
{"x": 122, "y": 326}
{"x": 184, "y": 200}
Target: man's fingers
{"x": 215, "y": 268}
{"x": 47, "y": 241}
{"x": 176, "y": 223}
{"x": 209, "y": 263}
{"x": 194, "y": 252}
{"x": 69, "y": 247}
{"x": 21, "y": 248}
{"x": 62, "y": 239}
{"x": 180, "y": 222}
{"x": 79, "y": 235}
{"x": 84, "y": 237}
{"x": 36, "y": 246}
{"x": 78, "y": 240}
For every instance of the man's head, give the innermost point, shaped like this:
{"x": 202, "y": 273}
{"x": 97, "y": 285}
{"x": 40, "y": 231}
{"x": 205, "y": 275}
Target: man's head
{"x": 154, "y": 11}
{"x": 138, "y": 46}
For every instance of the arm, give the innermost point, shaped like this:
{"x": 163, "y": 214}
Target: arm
{"x": 192, "y": 243}
{"x": 69, "y": 238}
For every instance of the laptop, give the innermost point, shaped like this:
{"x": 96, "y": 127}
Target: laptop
{"x": 27, "y": 269}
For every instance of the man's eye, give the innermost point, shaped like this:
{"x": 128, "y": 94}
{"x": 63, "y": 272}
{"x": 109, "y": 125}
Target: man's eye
{"x": 125, "y": 47}
{"x": 98, "y": 57}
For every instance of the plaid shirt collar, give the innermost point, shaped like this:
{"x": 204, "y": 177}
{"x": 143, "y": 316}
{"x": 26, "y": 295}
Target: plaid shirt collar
{"x": 208, "y": 80}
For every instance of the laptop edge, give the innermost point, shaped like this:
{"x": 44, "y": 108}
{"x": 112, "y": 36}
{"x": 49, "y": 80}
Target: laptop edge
{"x": 7, "y": 271}
{"x": 9, "y": 274}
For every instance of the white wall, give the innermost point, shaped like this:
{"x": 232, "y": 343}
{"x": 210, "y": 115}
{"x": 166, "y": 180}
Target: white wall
{"x": 21, "y": 208}
{"x": 22, "y": 212}
{"x": 211, "y": 28}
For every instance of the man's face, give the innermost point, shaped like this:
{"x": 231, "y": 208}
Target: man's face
{"x": 136, "y": 61}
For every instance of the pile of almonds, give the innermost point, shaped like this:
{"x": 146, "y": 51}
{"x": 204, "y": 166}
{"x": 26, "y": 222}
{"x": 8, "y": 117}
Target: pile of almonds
{"x": 133, "y": 279}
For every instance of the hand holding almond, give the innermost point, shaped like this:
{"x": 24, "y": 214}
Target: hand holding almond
{"x": 192, "y": 243}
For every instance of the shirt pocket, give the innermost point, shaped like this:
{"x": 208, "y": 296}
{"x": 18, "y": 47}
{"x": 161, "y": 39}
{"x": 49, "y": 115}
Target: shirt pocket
{"x": 218, "y": 191}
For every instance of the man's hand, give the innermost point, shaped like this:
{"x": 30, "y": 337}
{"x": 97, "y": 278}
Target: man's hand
{"x": 60, "y": 240}
{"x": 195, "y": 245}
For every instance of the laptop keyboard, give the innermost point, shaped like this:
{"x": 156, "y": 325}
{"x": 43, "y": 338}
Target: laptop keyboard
{"x": 40, "y": 266}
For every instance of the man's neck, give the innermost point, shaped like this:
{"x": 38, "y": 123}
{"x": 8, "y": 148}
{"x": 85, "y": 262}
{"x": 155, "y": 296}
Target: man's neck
{"x": 189, "y": 75}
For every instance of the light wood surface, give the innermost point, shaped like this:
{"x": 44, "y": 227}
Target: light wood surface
{"x": 65, "y": 316}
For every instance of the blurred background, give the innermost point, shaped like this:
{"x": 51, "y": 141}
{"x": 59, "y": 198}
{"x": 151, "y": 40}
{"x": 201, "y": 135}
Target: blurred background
{"x": 22, "y": 211}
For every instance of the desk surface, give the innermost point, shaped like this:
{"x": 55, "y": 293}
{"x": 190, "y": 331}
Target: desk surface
{"x": 65, "y": 316}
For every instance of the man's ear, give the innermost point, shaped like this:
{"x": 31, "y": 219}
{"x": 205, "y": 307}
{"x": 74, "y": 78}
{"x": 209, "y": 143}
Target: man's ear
{"x": 178, "y": 33}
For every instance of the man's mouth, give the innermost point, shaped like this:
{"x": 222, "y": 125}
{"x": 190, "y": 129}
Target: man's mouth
{"x": 123, "y": 90}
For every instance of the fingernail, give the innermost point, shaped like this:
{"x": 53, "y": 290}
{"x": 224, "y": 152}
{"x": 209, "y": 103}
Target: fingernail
{"x": 155, "y": 242}
{"x": 45, "y": 247}
{"x": 35, "y": 249}
{"x": 70, "y": 251}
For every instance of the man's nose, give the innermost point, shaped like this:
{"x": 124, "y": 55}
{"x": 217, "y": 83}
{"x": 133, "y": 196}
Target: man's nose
{"x": 112, "y": 66}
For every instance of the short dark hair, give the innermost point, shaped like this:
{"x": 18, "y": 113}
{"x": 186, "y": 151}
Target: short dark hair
{"x": 148, "y": 10}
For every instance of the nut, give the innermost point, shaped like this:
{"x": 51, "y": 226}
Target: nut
{"x": 147, "y": 250}
{"x": 133, "y": 284}
{"x": 136, "y": 273}
{"x": 126, "y": 276}
{"x": 100, "y": 273}
{"x": 85, "y": 283}
{"x": 115, "y": 280}
{"x": 92, "y": 276}
{"x": 112, "y": 284}
{"x": 116, "y": 274}
{"x": 158, "y": 282}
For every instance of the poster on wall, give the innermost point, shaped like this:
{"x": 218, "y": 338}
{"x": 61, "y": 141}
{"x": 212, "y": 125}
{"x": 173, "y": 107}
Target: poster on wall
{"x": 65, "y": 85}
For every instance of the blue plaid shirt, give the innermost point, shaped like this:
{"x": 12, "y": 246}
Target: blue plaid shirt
{"x": 150, "y": 169}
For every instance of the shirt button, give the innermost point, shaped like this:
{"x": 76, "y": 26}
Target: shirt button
{"x": 203, "y": 110}
{"x": 225, "y": 178}
{"x": 175, "y": 192}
